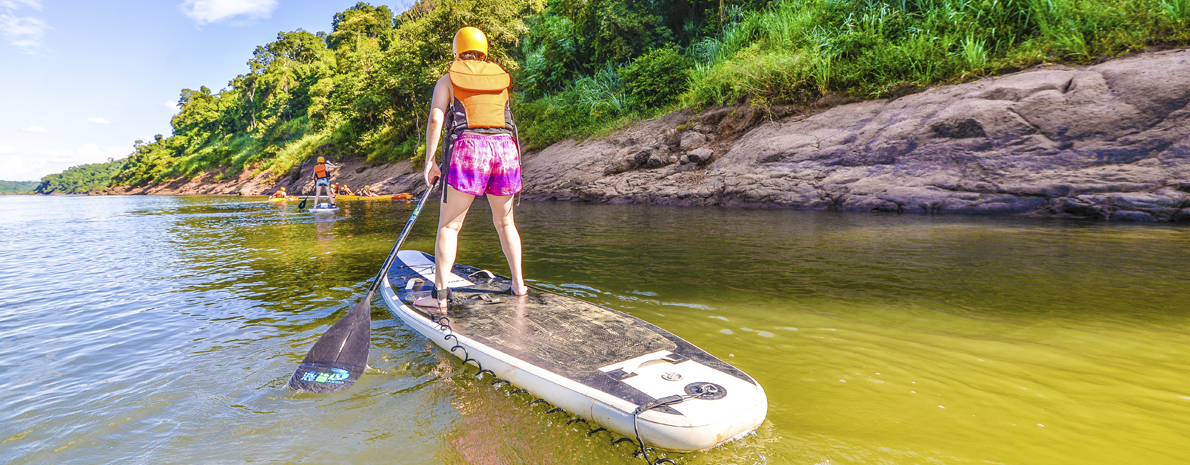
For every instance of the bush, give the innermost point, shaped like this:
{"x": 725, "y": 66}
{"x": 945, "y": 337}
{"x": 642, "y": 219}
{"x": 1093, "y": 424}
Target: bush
{"x": 759, "y": 77}
{"x": 585, "y": 107}
{"x": 657, "y": 78}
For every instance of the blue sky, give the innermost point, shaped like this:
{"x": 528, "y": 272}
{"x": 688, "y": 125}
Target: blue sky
{"x": 80, "y": 81}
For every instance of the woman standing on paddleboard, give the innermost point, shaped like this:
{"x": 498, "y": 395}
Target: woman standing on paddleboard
{"x": 481, "y": 156}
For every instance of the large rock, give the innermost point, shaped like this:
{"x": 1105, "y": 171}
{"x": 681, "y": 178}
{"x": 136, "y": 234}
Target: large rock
{"x": 1109, "y": 141}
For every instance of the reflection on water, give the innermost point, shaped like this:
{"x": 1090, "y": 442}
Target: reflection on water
{"x": 163, "y": 329}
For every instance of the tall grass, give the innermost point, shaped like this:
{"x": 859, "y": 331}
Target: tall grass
{"x": 867, "y": 48}
{"x": 1178, "y": 9}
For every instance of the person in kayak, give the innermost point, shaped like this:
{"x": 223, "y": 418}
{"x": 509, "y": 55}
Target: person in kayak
{"x": 322, "y": 181}
{"x": 280, "y": 194}
{"x": 344, "y": 190}
{"x": 481, "y": 156}
{"x": 366, "y": 191}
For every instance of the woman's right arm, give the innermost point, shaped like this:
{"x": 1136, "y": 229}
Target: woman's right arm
{"x": 438, "y": 104}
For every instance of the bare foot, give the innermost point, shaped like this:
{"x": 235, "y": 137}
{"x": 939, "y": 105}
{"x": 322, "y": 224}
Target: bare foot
{"x": 519, "y": 290}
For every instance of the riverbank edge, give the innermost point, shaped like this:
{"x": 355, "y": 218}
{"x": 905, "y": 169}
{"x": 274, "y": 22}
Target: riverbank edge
{"x": 1109, "y": 141}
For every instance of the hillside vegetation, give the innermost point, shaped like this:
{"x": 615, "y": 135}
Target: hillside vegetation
{"x": 80, "y": 179}
{"x": 17, "y": 187}
{"x": 583, "y": 66}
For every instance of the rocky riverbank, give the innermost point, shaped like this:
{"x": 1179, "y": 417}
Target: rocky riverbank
{"x": 1109, "y": 141}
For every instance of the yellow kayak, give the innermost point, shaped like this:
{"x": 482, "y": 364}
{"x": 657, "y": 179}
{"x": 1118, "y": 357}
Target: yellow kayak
{"x": 381, "y": 197}
{"x": 282, "y": 199}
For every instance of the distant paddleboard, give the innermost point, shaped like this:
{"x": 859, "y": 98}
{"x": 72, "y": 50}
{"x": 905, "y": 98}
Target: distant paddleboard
{"x": 324, "y": 208}
{"x": 596, "y": 363}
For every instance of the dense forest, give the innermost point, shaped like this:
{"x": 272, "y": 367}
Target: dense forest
{"x": 80, "y": 179}
{"x": 17, "y": 187}
{"x": 584, "y": 66}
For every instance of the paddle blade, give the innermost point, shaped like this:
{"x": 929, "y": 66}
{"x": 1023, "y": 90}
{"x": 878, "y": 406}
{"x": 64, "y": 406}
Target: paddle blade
{"x": 303, "y": 203}
{"x": 339, "y": 357}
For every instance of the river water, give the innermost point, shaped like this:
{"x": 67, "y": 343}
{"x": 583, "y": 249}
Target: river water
{"x": 164, "y": 329}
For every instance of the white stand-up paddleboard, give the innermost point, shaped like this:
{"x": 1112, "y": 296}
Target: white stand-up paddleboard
{"x": 324, "y": 208}
{"x": 594, "y": 362}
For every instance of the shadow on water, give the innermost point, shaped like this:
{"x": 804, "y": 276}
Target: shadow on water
{"x": 164, "y": 329}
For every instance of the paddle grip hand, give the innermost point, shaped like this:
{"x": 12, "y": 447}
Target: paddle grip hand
{"x": 432, "y": 173}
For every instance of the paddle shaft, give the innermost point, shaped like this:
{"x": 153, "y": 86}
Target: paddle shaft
{"x": 392, "y": 255}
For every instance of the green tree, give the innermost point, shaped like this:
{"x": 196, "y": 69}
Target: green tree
{"x": 17, "y": 187}
{"x": 80, "y": 179}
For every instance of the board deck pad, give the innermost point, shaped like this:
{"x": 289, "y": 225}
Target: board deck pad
{"x": 576, "y": 339}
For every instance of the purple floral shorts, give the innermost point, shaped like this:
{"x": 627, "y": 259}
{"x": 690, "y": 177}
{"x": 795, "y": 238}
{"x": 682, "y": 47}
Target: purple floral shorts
{"x": 485, "y": 164}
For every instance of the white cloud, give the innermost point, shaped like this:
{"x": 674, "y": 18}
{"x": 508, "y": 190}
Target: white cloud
{"x": 93, "y": 154}
{"x": 32, "y": 165}
{"x": 14, "y": 4}
{"x": 37, "y": 129}
{"x": 25, "y": 32}
{"x": 18, "y": 168}
{"x": 87, "y": 153}
{"x": 209, "y": 11}
{"x": 99, "y": 120}
{"x": 171, "y": 106}
{"x": 6, "y": 149}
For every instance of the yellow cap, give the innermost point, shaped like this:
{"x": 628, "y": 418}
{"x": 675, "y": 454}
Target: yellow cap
{"x": 282, "y": 188}
{"x": 321, "y": 160}
{"x": 470, "y": 39}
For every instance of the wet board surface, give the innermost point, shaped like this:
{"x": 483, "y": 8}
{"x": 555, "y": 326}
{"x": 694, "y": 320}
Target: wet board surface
{"x": 579, "y": 340}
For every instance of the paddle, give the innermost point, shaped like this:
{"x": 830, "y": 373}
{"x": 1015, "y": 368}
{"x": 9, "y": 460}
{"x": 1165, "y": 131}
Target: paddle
{"x": 339, "y": 357}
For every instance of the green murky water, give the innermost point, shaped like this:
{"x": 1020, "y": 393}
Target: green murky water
{"x": 163, "y": 330}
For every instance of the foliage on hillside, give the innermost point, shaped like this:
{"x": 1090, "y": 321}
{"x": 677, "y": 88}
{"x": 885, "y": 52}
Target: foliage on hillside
{"x": 797, "y": 51}
{"x": 80, "y": 179}
{"x": 361, "y": 90}
{"x": 17, "y": 187}
{"x": 582, "y": 66}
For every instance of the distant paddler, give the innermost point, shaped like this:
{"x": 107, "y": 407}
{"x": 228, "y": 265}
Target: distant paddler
{"x": 366, "y": 191}
{"x": 344, "y": 190}
{"x": 280, "y": 194}
{"x": 322, "y": 181}
{"x": 481, "y": 156}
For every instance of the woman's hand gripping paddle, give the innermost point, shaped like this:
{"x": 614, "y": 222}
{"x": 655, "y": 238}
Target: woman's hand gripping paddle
{"x": 339, "y": 357}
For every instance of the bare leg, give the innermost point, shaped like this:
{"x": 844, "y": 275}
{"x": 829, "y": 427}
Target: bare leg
{"x": 317, "y": 195}
{"x": 510, "y": 239}
{"x": 446, "y": 247}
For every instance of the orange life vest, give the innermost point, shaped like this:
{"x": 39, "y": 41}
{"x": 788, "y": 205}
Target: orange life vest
{"x": 320, "y": 170}
{"x": 481, "y": 90}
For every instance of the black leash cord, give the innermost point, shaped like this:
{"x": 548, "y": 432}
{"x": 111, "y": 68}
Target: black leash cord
{"x": 669, "y": 400}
